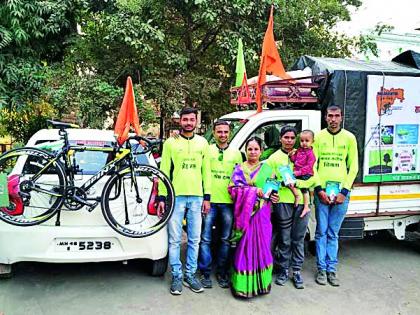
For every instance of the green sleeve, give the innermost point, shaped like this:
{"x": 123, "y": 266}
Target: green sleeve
{"x": 352, "y": 163}
{"x": 206, "y": 171}
{"x": 165, "y": 166}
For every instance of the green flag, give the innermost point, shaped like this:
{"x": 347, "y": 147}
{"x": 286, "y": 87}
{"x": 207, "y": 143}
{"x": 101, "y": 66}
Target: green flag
{"x": 240, "y": 64}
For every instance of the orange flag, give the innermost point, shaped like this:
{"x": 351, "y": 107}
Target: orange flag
{"x": 244, "y": 97}
{"x": 128, "y": 115}
{"x": 270, "y": 60}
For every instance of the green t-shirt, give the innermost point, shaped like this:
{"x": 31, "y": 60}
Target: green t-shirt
{"x": 222, "y": 163}
{"x": 275, "y": 161}
{"x": 337, "y": 158}
{"x": 187, "y": 163}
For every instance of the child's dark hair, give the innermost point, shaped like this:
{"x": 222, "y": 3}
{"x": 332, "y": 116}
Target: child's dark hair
{"x": 308, "y": 131}
{"x": 256, "y": 139}
{"x": 188, "y": 110}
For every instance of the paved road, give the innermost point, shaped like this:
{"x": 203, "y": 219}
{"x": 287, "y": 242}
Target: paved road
{"x": 379, "y": 276}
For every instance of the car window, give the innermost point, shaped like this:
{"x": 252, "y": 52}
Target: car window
{"x": 235, "y": 126}
{"x": 89, "y": 162}
{"x": 269, "y": 133}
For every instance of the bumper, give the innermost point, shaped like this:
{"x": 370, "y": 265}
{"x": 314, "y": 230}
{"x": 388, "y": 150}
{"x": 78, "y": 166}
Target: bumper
{"x": 76, "y": 244}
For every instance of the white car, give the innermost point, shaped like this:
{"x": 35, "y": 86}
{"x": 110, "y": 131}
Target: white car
{"x": 82, "y": 236}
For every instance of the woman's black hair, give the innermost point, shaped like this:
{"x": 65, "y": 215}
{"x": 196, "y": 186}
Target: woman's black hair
{"x": 287, "y": 129}
{"x": 256, "y": 139}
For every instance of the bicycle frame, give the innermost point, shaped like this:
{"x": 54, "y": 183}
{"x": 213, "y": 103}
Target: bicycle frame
{"x": 66, "y": 152}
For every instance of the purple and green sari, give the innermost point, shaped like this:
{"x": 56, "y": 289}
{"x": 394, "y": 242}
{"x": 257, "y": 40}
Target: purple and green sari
{"x": 253, "y": 262}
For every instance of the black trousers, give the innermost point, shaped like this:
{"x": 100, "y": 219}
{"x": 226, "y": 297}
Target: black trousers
{"x": 289, "y": 231}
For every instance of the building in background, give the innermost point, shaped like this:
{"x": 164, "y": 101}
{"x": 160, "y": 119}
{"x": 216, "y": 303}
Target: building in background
{"x": 391, "y": 44}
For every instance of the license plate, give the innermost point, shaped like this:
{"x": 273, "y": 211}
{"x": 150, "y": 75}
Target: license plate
{"x": 78, "y": 245}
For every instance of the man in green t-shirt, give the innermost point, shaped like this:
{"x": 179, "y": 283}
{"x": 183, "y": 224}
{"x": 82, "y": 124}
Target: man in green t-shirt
{"x": 185, "y": 160}
{"x": 336, "y": 168}
{"x": 222, "y": 161}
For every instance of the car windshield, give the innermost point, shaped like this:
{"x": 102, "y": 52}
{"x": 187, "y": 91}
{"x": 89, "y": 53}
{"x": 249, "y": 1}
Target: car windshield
{"x": 235, "y": 126}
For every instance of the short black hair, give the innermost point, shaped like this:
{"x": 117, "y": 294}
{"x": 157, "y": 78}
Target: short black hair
{"x": 287, "y": 129}
{"x": 256, "y": 139}
{"x": 188, "y": 110}
{"x": 334, "y": 108}
{"x": 220, "y": 122}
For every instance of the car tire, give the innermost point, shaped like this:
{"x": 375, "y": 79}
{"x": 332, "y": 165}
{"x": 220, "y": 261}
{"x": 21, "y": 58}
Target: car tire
{"x": 158, "y": 267}
{"x": 310, "y": 247}
{"x": 5, "y": 271}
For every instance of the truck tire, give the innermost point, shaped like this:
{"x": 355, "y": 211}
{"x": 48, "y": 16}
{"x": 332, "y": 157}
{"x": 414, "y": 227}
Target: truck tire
{"x": 158, "y": 267}
{"x": 5, "y": 271}
{"x": 310, "y": 247}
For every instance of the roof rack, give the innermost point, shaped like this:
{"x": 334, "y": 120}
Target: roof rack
{"x": 280, "y": 91}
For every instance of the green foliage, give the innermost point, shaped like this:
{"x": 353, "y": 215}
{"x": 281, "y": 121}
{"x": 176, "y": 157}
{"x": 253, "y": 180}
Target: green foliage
{"x": 178, "y": 52}
{"x": 23, "y": 123}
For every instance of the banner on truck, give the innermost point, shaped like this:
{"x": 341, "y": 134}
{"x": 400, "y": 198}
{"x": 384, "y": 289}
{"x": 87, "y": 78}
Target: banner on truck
{"x": 392, "y": 145}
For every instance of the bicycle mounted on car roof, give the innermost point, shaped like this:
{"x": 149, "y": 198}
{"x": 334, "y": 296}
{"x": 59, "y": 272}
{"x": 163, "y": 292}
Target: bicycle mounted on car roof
{"x": 39, "y": 183}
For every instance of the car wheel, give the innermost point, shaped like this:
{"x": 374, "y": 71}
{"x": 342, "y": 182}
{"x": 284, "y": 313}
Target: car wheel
{"x": 5, "y": 271}
{"x": 158, "y": 267}
{"x": 310, "y": 247}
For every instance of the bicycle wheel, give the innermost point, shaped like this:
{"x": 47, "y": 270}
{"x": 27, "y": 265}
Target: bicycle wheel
{"x": 132, "y": 216}
{"x": 33, "y": 186}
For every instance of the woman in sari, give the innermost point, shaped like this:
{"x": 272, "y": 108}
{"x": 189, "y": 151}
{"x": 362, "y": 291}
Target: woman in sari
{"x": 253, "y": 262}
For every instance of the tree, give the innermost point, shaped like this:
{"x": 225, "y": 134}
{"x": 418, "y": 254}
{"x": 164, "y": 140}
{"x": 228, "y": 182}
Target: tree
{"x": 178, "y": 52}
{"x": 183, "y": 52}
{"x": 33, "y": 34}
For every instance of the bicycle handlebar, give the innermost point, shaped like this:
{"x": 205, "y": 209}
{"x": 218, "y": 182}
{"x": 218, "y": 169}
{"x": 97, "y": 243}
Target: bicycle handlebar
{"x": 149, "y": 144}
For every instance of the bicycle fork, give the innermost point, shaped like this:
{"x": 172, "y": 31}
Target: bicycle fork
{"x": 138, "y": 198}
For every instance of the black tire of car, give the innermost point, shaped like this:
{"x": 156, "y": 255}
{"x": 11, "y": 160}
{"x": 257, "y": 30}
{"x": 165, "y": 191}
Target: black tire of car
{"x": 15, "y": 220}
{"x": 309, "y": 247}
{"x": 159, "y": 267}
{"x": 109, "y": 217}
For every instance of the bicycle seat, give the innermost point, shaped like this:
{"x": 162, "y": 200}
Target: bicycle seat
{"x": 61, "y": 125}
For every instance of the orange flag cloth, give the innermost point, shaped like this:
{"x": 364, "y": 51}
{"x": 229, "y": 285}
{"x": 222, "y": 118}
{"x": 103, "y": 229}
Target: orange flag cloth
{"x": 270, "y": 61}
{"x": 128, "y": 115}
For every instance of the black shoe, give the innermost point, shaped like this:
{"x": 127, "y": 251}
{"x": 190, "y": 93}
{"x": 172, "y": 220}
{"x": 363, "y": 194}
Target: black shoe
{"x": 298, "y": 280}
{"x": 321, "y": 277}
{"x": 206, "y": 281}
{"x": 192, "y": 283}
{"x": 332, "y": 279}
{"x": 223, "y": 281}
{"x": 176, "y": 286}
{"x": 282, "y": 277}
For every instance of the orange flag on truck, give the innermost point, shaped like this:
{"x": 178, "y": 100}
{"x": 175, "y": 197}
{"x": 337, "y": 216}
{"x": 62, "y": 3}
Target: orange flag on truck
{"x": 128, "y": 115}
{"x": 270, "y": 60}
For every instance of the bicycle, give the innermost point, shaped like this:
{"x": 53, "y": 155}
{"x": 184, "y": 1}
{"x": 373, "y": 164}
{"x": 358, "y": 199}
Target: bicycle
{"x": 40, "y": 182}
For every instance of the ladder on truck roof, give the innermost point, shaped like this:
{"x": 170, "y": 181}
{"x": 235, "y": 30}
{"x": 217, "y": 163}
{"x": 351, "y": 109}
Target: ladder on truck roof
{"x": 288, "y": 93}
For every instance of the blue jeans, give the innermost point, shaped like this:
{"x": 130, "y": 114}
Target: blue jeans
{"x": 225, "y": 212}
{"x": 328, "y": 223}
{"x": 191, "y": 204}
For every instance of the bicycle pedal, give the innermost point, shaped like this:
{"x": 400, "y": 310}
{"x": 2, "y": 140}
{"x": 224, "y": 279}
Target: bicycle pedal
{"x": 92, "y": 206}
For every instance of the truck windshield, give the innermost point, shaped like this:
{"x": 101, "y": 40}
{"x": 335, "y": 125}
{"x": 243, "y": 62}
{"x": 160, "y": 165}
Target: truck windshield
{"x": 235, "y": 126}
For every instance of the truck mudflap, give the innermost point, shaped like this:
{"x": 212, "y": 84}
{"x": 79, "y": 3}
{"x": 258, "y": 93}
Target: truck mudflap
{"x": 352, "y": 229}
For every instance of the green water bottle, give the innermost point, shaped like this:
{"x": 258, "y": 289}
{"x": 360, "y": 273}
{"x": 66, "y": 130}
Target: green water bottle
{"x": 4, "y": 191}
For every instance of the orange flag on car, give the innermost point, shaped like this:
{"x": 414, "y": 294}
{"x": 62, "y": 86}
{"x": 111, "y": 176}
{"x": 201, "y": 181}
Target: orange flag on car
{"x": 270, "y": 60}
{"x": 128, "y": 115}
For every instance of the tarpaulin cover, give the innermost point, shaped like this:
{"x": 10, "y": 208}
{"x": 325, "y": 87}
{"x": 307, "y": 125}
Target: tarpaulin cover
{"x": 409, "y": 58}
{"x": 346, "y": 86}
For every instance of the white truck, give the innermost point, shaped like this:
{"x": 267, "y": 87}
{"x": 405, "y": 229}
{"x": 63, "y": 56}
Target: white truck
{"x": 389, "y": 206}
{"x": 380, "y": 102}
